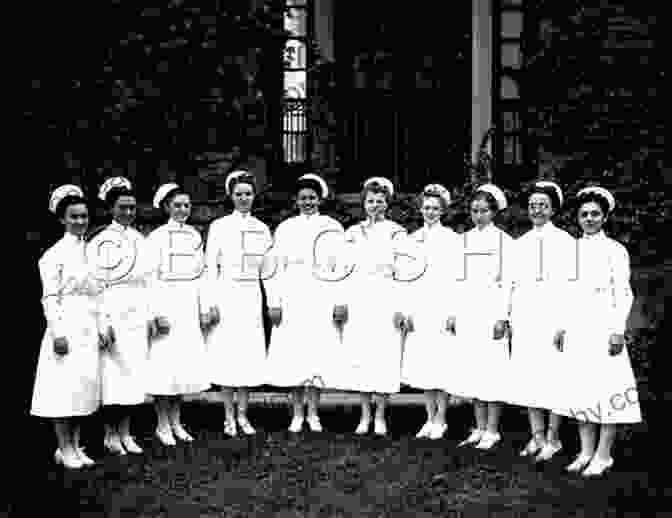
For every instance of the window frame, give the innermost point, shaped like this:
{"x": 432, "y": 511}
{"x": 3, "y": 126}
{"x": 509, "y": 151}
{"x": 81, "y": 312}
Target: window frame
{"x": 295, "y": 123}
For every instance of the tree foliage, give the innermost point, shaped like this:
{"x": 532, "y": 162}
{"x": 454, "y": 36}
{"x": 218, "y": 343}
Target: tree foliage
{"x": 167, "y": 83}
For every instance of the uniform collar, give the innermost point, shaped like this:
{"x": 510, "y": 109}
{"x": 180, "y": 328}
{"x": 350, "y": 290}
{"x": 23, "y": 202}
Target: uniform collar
{"x": 544, "y": 230}
{"x": 487, "y": 228}
{"x": 594, "y": 237}
{"x": 241, "y": 215}
{"x": 175, "y": 224}
{"x": 437, "y": 228}
{"x": 115, "y": 225}
{"x": 368, "y": 222}
{"x": 72, "y": 239}
{"x": 309, "y": 217}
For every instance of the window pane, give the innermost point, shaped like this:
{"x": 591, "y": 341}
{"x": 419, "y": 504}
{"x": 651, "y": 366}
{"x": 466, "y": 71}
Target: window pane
{"x": 509, "y": 153}
{"x": 296, "y": 21}
{"x": 509, "y": 89}
{"x": 511, "y": 121}
{"x": 513, "y": 150}
{"x": 511, "y": 55}
{"x": 296, "y": 2}
{"x": 295, "y": 85}
{"x": 512, "y": 24}
{"x": 294, "y": 131}
{"x": 295, "y": 54}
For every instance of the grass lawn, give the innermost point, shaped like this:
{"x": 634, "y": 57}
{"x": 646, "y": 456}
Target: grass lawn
{"x": 332, "y": 474}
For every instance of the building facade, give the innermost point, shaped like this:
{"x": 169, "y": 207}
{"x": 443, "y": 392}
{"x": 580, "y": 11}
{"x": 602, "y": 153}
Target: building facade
{"x": 288, "y": 86}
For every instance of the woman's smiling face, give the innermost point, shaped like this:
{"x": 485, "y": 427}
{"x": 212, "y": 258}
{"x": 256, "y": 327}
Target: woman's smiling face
{"x": 308, "y": 201}
{"x": 591, "y": 217}
{"x": 76, "y": 219}
{"x": 540, "y": 209}
{"x": 375, "y": 205}
{"x": 243, "y": 197}
{"x": 179, "y": 208}
{"x": 431, "y": 209}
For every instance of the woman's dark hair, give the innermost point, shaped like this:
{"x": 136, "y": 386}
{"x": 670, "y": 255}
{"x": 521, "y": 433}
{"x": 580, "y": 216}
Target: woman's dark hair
{"x": 67, "y": 201}
{"x": 424, "y": 194}
{"x": 548, "y": 191}
{"x": 376, "y": 188}
{"x": 247, "y": 178}
{"x": 171, "y": 194}
{"x": 593, "y": 197}
{"x": 309, "y": 183}
{"x": 487, "y": 198}
{"x": 115, "y": 193}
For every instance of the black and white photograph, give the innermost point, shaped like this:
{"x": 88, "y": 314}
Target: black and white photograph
{"x": 323, "y": 258}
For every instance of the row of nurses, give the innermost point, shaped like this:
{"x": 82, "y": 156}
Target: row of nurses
{"x": 554, "y": 283}
{"x": 298, "y": 358}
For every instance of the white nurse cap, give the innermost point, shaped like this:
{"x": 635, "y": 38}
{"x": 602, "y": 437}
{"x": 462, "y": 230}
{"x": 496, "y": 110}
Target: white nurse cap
{"x": 162, "y": 192}
{"x": 439, "y": 190}
{"x": 381, "y": 181}
{"x": 323, "y": 185}
{"x": 554, "y": 186}
{"x": 600, "y": 191}
{"x": 111, "y": 183}
{"x": 496, "y": 193}
{"x": 61, "y": 192}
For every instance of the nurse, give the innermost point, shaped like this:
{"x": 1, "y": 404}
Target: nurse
{"x": 602, "y": 392}
{"x": 67, "y": 382}
{"x": 121, "y": 262}
{"x": 302, "y": 302}
{"x": 372, "y": 336}
{"x": 545, "y": 264}
{"x": 429, "y": 351}
{"x": 177, "y": 357}
{"x": 483, "y": 315}
{"x": 237, "y": 345}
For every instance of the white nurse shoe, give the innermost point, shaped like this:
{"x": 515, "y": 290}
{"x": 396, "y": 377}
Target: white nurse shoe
{"x": 579, "y": 463}
{"x": 68, "y": 461}
{"x": 424, "y": 431}
{"x": 314, "y": 423}
{"x": 380, "y": 427}
{"x": 86, "y": 460}
{"x": 363, "y": 427}
{"x": 598, "y": 467}
{"x": 246, "y": 426}
{"x": 474, "y": 437}
{"x": 488, "y": 440}
{"x": 437, "y": 431}
{"x": 296, "y": 425}
{"x": 130, "y": 444}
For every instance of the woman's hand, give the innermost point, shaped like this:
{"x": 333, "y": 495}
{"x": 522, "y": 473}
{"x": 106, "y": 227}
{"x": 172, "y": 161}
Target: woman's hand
{"x": 275, "y": 314}
{"x": 152, "y": 329}
{"x": 616, "y": 343}
{"x": 340, "y": 314}
{"x": 451, "y": 323}
{"x": 106, "y": 339}
{"x": 398, "y": 321}
{"x": 162, "y": 325}
{"x": 61, "y": 345}
{"x": 559, "y": 339}
{"x": 409, "y": 324}
{"x": 205, "y": 322}
{"x": 499, "y": 330}
{"x": 215, "y": 316}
